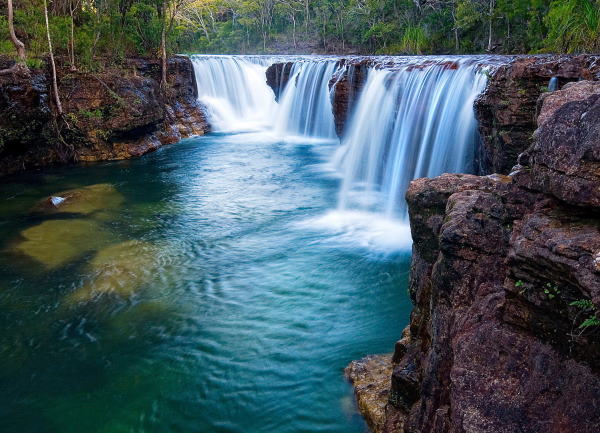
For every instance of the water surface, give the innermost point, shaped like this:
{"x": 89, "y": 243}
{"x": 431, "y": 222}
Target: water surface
{"x": 197, "y": 298}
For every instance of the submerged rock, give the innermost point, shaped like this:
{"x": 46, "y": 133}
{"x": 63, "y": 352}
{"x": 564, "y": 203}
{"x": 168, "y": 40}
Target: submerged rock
{"x": 119, "y": 269}
{"x": 57, "y": 242}
{"x": 85, "y": 200}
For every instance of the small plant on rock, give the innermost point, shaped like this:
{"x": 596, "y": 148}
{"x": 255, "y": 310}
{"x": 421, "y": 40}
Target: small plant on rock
{"x": 551, "y": 290}
{"x": 589, "y": 309}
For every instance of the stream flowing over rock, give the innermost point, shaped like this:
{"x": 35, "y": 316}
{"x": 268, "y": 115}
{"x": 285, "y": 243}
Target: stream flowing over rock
{"x": 505, "y": 282}
{"x": 118, "y": 113}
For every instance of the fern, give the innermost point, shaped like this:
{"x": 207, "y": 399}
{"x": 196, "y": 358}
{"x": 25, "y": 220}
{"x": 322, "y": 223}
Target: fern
{"x": 589, "y": 322}
{"x": 584, "y": 304}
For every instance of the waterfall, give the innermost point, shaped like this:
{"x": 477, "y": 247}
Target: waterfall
{"x": 305, "y": 103}
{"x": 415, "y": 118}
{"x": 417, "y": 121}
{"x": 234, "y": 90}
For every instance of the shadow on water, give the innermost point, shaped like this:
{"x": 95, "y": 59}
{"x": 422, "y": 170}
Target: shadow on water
{"x": 200, "y": 301}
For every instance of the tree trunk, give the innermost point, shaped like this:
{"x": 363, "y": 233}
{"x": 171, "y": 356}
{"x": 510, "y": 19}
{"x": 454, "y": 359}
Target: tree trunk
{"x": 72, "y": 38}
{"x": 54, "y": 80}
{"x": 19, "y": 46}
{"x": 491, "y": 12}
{"x": 307, "y": 17}
{"x": 163, "y": 49}
{"x": 456, "y": 41}
{"x": 294, "y": 30}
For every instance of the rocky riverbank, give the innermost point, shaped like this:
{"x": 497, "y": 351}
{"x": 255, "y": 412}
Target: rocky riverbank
{"x": 117, "y": 113}
{"x": 505, "y": 281}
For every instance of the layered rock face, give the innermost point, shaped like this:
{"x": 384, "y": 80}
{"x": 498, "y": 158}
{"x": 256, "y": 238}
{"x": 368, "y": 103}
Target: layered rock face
{"x": 116, "y": 114}
{"x": 278, "y": 75}
{"x": 505, "y": 280}
{"x": 345, "y": 87}
{"x": 507, "y": 109}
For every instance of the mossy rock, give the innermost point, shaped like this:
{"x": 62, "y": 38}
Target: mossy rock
{"x": 119, "y": 269}
{"x": 85, "y": 200}
{"x": 55, "y": 243}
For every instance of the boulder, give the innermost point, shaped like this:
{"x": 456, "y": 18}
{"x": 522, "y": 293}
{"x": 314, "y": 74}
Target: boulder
{"x": 57, "y": 242}
{"x": 565, "y": 158}
{"x": 278, "y": 75}
{"x": 85, "y": 200}
{"x": 370, "y": 378}
{"x": 344, "y": 87}
{"x": 506, "y": 110}
{"x": 119, "y": 269}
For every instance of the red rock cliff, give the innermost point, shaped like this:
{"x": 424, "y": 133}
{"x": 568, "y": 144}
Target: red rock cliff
{"x": 505, "y": 280}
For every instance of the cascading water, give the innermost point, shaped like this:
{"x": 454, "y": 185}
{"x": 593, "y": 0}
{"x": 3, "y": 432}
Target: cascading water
{"x": 305, "y": 105}
{"x": 413, "y": 119}
{"x": 234, "y": 90}
{"x": 417, "y": 121}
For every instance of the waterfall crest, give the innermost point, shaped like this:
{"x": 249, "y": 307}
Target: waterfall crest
{"x": 408, "y": 123}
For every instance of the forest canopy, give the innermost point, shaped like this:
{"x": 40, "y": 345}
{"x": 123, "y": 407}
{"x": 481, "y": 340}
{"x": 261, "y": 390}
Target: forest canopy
{"x": 83, "y": 30}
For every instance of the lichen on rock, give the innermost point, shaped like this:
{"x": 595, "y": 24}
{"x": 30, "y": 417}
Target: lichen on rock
{"x": 370, "y": 378}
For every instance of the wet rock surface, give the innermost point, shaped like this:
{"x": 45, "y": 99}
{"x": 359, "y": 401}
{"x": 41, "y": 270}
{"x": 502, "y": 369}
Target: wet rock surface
{"x": 507, "y": 109}
{"x": 278, "y": 75}
{"x": 116, "y": 114}
{"x": 370, "y": 378}
{"x": 344, "y": 88}
{"x": 505, "y": 281}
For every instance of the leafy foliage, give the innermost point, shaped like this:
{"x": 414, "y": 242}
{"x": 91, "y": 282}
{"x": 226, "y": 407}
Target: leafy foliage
{"x": 587, "y": 307}
{"x": 112, "y": 29}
